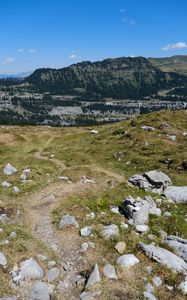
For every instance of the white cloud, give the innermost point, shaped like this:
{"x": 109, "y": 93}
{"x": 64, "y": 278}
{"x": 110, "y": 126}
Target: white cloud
{"x": 8, "y": 61}
{"x": 32, "y": 51}
{"x": 179, "y": 45}
{"x": 21, "y": 50}
{"x": 122, "y": 10}
{"x": 73, "y": 56}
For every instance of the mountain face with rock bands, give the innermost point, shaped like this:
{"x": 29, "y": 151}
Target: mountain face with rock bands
{"x": 118, "y": 78}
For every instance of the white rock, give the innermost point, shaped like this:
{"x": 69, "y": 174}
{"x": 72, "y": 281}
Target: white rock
{"x": 142, "y": 228}
{"x": 120, "y": 247}
{"x": 109, "y": 271}
{"x": 149, "y": 269}
{"x": 90, "y": 295}
{"x": 41, "y": 257}
{"x": 30, "y": 269}
{"x": 124, "y": 225}
{"x": 9, "y": 169}
{"x": 167, "y": 214}
{"x": 127, "y": 260}
{"x": 16, "y": 189}
{"x": 23, "y": 177}
{"x": 27, "y": 171}
{"x": 86, "y": 246}
{"x": 115, "y": 210}
{"x": 157, "y": 281}
{"x": 149, "y": 288}
{"x": 149, "y": 296}
{"x": 12, "y": 235}
{"x": 63, "y": 178}
{"x": 86, "y": 231}
{"x": 5, "y": 184}
{"x": 94, "y": 131}
{"x": 94, "y": 277}
{"x": 85, "y": 180}
{"x": 52, "y": 274}
{"x": 39, "y": 291}
{"x": 67, "y": 221}
{"x": 90, "y": 216}
{"x": 3, "y": 260}
{"x": 110, "y": 231}
{"x": 184, "y": 133}
{"x": 183, "y": 287}
{"x": 51, "y": 263}
{"x": 172, "y": 138}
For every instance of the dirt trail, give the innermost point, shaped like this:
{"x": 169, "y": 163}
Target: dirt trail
{"x": 66, "y": 243}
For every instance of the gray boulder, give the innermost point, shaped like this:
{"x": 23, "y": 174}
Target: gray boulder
{"x": 178, "y": 244}
{"x": 3, "y": 260}
{"x": 164, "y": 257}
{"x": 90, "y": 295}
{"x": 109, "y": 271}
{"x": 52, "y": 274}
{"x": 110, "y": 231}
{"x": 30, "y": 269}
{"x": 127, "y": 260}
{"x": 94, "y": 277}
{"x": 67, "y": 221}
{"x": 151, "y": 181}
{"x": 39, "y": 291}
{"x": 176, "y": 193}
{"x": 9, "y": 169}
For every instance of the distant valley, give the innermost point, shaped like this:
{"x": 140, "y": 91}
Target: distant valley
{"x": 94, "y": 93}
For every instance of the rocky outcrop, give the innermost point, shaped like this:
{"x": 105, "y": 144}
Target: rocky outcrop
{"x": 176, "y": 193}
{"x": 178, "y": 244}
{"x": 164, "y": 257}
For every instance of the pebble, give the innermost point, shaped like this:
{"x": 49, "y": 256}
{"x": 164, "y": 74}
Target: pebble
{"x": 52, "y": 274}
{"x": 94, "y": 277}
{"x": 120, "y": 247}
{"x": 127, "y": 260}
{"x": 86, "y": 231}
{"x": 109, "y": 271}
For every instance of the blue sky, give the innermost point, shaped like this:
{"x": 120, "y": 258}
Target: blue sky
{"x": 57, "y": 33}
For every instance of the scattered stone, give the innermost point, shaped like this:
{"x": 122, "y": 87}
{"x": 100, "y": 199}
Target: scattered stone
{"x": 52, "y": 274}
{"x": 9, "y": 169}
{"x": 169, "y": 287}
{"x": 120, "y": 247}
{"x": 172, "y": 138}
{"x": 86, "y": 246}
{"x": 16, "y": 189}
{"x": 115, "y": 210}
{"x": 110, "y": 231}
{"x": 176, "y": 193}
{"x": 30, "y": 269}
{"x": 12, "y": 235}
{"x": 9, "y": 298}
{"x": 149, "y": 288}
{"x": 184, "y": 133}
{"x": 149, "y": 269}
{"x": 183, "y": 286}
{"x": 90, "y": 216}
{"x": 86, "y": 231}
{"x": 151, "y": 237}
{"x": 1, "y": 230}
{"x": 6, "y": 242}
{"x": 157, "y": 281}
{"x": 142, "y": 228}
{"x": 27, "y": 171}
{"x": 149, "y": 296}
{"x": 23, "y": 177}
{"x": 147, "y": 128}
{"x": 94, "y": 277}
{"x": 5, "y": 184}
{"x": 67, "y": 221}
{"x": 65, "y": 178}
{"x": 130, "y": 222}
{"x": 151, "y": 181}
{"x": 3, "y": 260}
{"x": 90, "y": 295}
{"x": 39, "y": 291}
{"x": 41, "y": 257}
{"x": 127, "y": 260}
{"x": 123, "y": 225}
{"x": 163, "y": 234}
{"x": 109, "y": 271}
{"x": 51, "y": 263}
{"x": 167, "y": 214}
{"x": 164, "y": 257}
{"x": 85, "y": 180}
{"x": 94, "y": 131}
{"x": 179, "y": 245}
